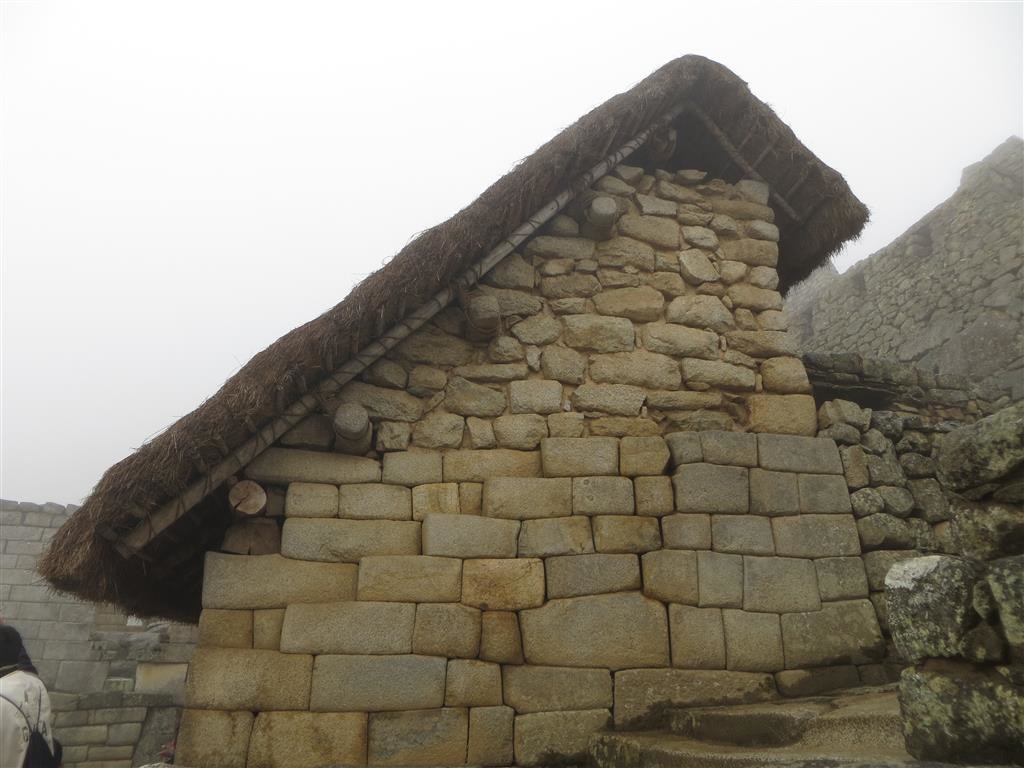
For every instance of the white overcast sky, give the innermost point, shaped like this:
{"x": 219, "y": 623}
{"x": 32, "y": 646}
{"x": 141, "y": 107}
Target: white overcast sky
{"x": 183, "y": 182}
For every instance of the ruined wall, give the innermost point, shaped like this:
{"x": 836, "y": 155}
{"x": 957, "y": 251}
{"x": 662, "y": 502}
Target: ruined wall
{"x": 585, "y": 519}
{"x": 947, "y": 295}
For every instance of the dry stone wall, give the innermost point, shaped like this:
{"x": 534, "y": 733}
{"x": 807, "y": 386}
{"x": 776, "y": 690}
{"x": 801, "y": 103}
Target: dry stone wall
{"x": 614, "y": 505}
{"x": 947, "y": 295}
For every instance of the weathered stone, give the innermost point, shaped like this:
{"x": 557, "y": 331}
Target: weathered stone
{"x": 962, "y": 713}
{"x": 718, "y": 374}
{"x": 305, "y": 738}
{"x": 640, "y": 693}
{"x": 854, "y": 466}
{"x": 659, "y": 232}
{"x": 565, "y": 424}
{"x": 779, "y": 585}
{"x": 374, "y": 501}
{"x": 438, "y": 430}
{"x": 984, "y": 451}
{"x": 639, "y": 367}
{"x": 491, "y": 372}
{"x": 569, "y": 286}
{"x": 841, "y": 578}
{"x": 684, "y": 447}
{"x": 694, "y": 265}
{"x": 431, "y": 346}
{"x": 590, "y": 574}
{"x": 704, "y": 487}
{"x": 885, "y": 469}
{"x": 490, "y": 736}
{"x": 896, "y": 501}
{"x": 930, "y": 500}
{"x": 500, "y": 640}
{"x": 653, "y": 495}
{"x": 520, "y": 431}
{"x": 843, "y": 434}
{"x": 700, "y": 312}
{"x": 813, "y": 682}
{"x": 844, "y": 632}
{"x": 680, "y": 341}
{"x": 236, "y": 678}
{"x": 560, "y": 247}
{"x": 988, "y": 530}
{"x": 225, "y": 629}
{"x": 866, "y": 501}
{"x": 742, "y": 534}
{"x": 835, "y": 412}
{"x": 768, "y": 344}
{"x": 554, "y": 689}
{"x": 503, "y": 585}
{"x": 731, "y": 448}
{"x": 773, "y": 493}
{"x": 698, "y": 637}
{"x": 555, "y": 536}
{"x": 686, "y": 531}
{"x": 272, "y": 581}
{"x": 435, "y": 499}
{"x": 471, "y": 498}
{"x": 513, "y": 303}
{"x": 472, "y": 683}
{"x": 392, "y": 436}
{"x": 643, "y": 456}
{"x": 468, "y": 399}
{"x": 349, "y": 627}
{"x": 612, "y": 631}
{"x": 782, "y": 414}
{"x": 502, "y": 349}
{"x": 542, "y": 737}
{"x": 756, "y": 253}
{"x": 640, "y": 304}
{"x": 753, "y": 641}
{"x": 884, "y": 532}
{"x": 569, "y": 457}
{"x": 209, "y": 737}
{"x": 524, "y": 498}
{"x": 602, "y": 495}
{"x": 447, "y": 629}
{"x": 823, "y": 494}
{"x": 756, "y": 299}
{"x": 409, "y": 578}
{"x": 671, "y": 576}
{"x": 289, "y": 465}
{"x": 622, "y": 534}
{"x": 598, "y": 334}
{"x": 312, "y": 500}
{"x": 412, "y": 468}
{"x": 464, "y": 536}
{"x": 423, "y": 737}
{"x": 425, "y": 380}
{"x": 478, "y": 466}
{"x": 616, "y": 399}
{"x": 348, "y": 540}
{"x": 877, "y": 565}
{"x": 1006, "y": 581}
{"x": 720, "y": 577}
{"x": 790, "y": 453}
{"x": 625, "y": 252}
{"x": 314, "y": 432}
{"x": 816, "y": 536}
{"x": 655, "y": 206}
{"x": 564, "y": 365}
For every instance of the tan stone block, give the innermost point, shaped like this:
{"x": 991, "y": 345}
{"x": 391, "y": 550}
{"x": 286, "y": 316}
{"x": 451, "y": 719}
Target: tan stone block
{"x": 729, "y": 448}
{"x": 641, "y": 304}
{"x": 670, "y": 575}
{"x": 348, "y": 540}
{"x": 841, "y": 578}
{"x": 283, "y": 739}
{"x": 209, "y": 737}
{"x": 374, "y": 501}
{"x": 535, "y": 396}
{"x": 785, "y": 375}
{"x": 753, "y": 641}
{"x": 602, "y": 495}
{"x": 522, "y": 431}
{"x": 783, "y": 414}
{"x": 698, "y": 637}
{"x": 686, "y": 531}
{"x": 410, "y": 578}
{"x": 576, "y": 575}
{"x": 422, "y": 737}
{"x": 382, "y": 403}
{"x": 234, "y": 678}
{"x": 471, "y": 498}
{"x": 411, "y": 468}
{"x": 680, "y": 341}
{"x": 547, "y": 246}
{"x": 704, "y": 487}
{"x": 615, "y": 399}
{"x": 623, "y": 426}
{"x": 272, "y": 581}
{"x": 654, "y": 496}
{"x": 613, "y": 631}
{"x": 720, "y": 578}
{"x": 500, "y": 640}
{"x": 467, "y": 466}
{"x": 640, "y": 368}
{"x": 556, "y": 689}
{"x": 435, "y": 499}
{"x": 290, "y": 465}
{"x": 555, "y": 536}
{"x": 490, "y": 736}
{"x": 351, "y": 627}
{"x": 779, "y": 585}
{"x": 639, "y": 691}
{"x": 508, "y": 585}
{"x": 773, "y": 493}
{"x": 447, "y": 629}
{"x": 472, "y": 683}
{"x": 816, "y": 536}
{"x": 742, "y": 534}
{"x": 469, "y": 536}
{"x": 845, "y": 632}
{"x": 824, "y": 494}
{"x": 542, "y": 737}
{"x": 225, "y": 629}
{"x": 163, "y": 678}
{"x": 643, "y": 456}
{"x": 791, "y": 453}
{"x": 565, "y": 425}
{"x": 524, "y": 498}
{"x": 598, "y": 334}
{"x": 266, "y": 629}
{"x": 376, "y": 683}
{"x": 758, "y": 253}
{"x": 575, "y": 457}
{"x": 626, "y": 533}
{"x": 311, "y": 500}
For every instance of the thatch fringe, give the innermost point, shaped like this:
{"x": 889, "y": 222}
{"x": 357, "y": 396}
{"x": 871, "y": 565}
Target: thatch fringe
{"x": 82, "y": 560}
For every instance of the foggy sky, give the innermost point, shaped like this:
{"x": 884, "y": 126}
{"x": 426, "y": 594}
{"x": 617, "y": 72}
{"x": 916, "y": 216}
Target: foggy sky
{"x": 182, "y": 183}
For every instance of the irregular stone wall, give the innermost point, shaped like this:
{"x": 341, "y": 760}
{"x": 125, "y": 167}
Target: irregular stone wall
{"x": 565, "y": 526}
{"x": 947, "y": 296}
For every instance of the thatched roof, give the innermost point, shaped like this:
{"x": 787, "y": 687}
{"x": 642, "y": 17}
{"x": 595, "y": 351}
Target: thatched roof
{"x": 725, "y": 130}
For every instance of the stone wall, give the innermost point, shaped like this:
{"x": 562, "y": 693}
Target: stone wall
{"x": 947, "y": 295}
{"x": 590, "y": 515}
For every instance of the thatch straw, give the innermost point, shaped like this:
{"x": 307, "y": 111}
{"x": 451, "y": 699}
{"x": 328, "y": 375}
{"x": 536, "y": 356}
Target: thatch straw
{"x": 165, "y": 580}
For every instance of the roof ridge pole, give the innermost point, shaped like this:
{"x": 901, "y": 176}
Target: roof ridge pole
{"x": 153, "y": 525}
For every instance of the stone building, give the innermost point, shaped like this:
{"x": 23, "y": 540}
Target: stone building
{"x": 946, "y": 296}
{"x": 554, "y": 469}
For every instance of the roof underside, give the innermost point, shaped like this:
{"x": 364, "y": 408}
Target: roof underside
{"x": 722, "y": 129}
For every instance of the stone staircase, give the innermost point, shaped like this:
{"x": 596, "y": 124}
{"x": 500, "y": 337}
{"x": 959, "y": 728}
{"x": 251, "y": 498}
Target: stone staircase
{"x": 860, "y": 728}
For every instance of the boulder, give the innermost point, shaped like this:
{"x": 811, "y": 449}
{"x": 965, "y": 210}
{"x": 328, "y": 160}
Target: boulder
{"x": 984, "y": 451}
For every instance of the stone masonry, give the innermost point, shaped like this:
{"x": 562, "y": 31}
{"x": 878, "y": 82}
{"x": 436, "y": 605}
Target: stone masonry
{"x": 614, "y": 504}
{"x": 947, "y": 295}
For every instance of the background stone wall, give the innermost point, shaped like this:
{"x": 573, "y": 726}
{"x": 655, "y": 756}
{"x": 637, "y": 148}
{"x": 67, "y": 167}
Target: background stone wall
{"x": 947, "y": 295}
